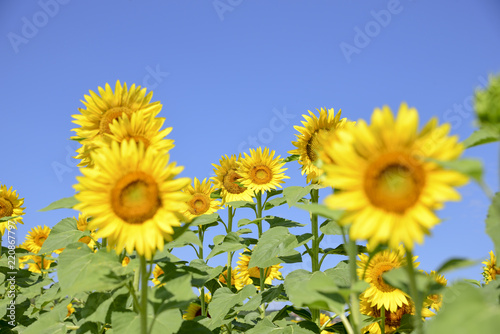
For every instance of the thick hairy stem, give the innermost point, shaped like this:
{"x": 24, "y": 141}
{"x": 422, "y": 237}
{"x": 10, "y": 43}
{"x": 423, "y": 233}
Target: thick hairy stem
{"x": 144, "y": 296}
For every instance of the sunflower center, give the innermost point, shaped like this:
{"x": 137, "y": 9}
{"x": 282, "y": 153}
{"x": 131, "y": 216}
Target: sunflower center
{"x": 109, "y": 116}
{"x": 261, "y": 174}
{"x": 313, "y": 145}
{"x": 377, "y": 279}
{"x": 40, "y": 241}
{"x": 393, "y": 183}
{"x": 230, "y": 182}
{"x": 135, "y": 197}
{"x": 393, "y": 319}
{"x": 199, "y": 204}
{"x": 6, "y": 208}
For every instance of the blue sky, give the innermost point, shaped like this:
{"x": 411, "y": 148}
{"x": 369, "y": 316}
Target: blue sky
{"x": 234, "y": 73}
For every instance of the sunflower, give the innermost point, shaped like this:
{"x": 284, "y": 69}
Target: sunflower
{"x": 260, "y": 171}
{"x": 244, "y": 274}
{"x": 100, "y": 111}
{"x": 490, "y": 270}
{"x": 223, "y": 276}
{"x": 157, "y": 272}
{"x": 36, "y": 237}
{"x": 307, "y": 142}
{"x": 388, "y": 180}
{"x": 140, "y": 127}
{"x": 392, "y": 318}
{"x": 380, "y": 293}
{"x": 227, "y": 180}
{"x": 10, "y": 206}
{"x": 71, "y": 309}
{"x": 435, "y": 300}
{"x": 81, "y": 225}
{"x": 132, "y": 196}
{"x": 200, "y": 202}
{"x": 194, "y": 309}
{"x": 125, "y": 261}
{"x": 23, "y": 259}
{"x": 35, "y": 265}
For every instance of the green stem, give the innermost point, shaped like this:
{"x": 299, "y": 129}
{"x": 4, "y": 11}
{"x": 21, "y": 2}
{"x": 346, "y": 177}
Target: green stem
{"x": 414, "y": 292}
{"x": 347, "y": 324}
{"x": 104, "y": 242}
{"x": 259, "y": 226}
{"x": 202, "y": 290}
{"x": 352, "y": 251}
{"x": 230, "y": 214}
{"x": 136, "y": 305}
{"x": 144, "y": 296}
{"x": 315, "y": 249}
{"x": 382, "y": 315}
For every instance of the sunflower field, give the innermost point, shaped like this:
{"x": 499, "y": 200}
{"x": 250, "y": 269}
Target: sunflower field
{"x": 382, "y": 181}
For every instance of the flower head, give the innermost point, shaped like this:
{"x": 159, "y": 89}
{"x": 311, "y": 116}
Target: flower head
{"x": 10, "y": 206}
{"x": 228, "y": 180}
{"x": 245, "y": 274}
{"x": 200, "y": 202}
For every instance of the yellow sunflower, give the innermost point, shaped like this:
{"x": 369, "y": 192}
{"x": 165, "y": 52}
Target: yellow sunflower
{"x": 133, "y": 197}
{"x": 71, "y": 309}
{"x": 392, "y": 318}
{"x": 223, "y": 276}
{"x": 10, "y": 206}
{"x": 307, "y": 142}
{"x": 244, "y": 274}
{"x": 380, "y": 293}
{"x": 22, "y": 260}
{"x": 435, "y": 300}
{"x": 490, "y": 270}
{"x": 157, "y": 272}
{"x": 388, "y": 183}
{"x": 35, "y": 265}
{"x": 194, "y": 309}
{"x": 36, "y": 237}
{"x": 140, "y": 127}
{"x": 260, "y": 171}
{"x": 100, "y": 111}
{"x": 125, "y": 261}
{"x": 81, "y": 224}
{"x": 227, "y": 178}
{"x": 200, "y": 202}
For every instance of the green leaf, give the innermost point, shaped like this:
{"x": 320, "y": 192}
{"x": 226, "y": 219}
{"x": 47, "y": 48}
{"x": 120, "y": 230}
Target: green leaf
{"x": 241, "y": 204}
{"x": 4, "y": 219}
{"x": 245, "y": 221}
{"x": 186, "y": 238}
{"x": 130, "y": 322}
{"x": 466, "y": 309}
{"x": 278, "y": 221}
{"x": 216, "y": 194}
{"x": 231, "y": 243}
{"x": 82, "y": 270}
{"x": 483, "y": 135}
{"x": 330, "y": 227}
{"x": 274, "y": 203}
{"x": 292, "y": 157}
{"x": 321, "y": 210}
{"x": 203, "y": 273}
{"x": 455, "y": 263}
{"x": 49, "y": 322}
{"x": 193, "y": 327}
{"x": 176, "y": 293}
{"x": 63, "y": 203}
{"x": 293, "y": 194}
{"x": 275, "y": 244}
{"x": 205, "y": 219}
{"x": 473, "y": 168}
{"x": 493, "y": 222}
{"x": 64, "y": 233}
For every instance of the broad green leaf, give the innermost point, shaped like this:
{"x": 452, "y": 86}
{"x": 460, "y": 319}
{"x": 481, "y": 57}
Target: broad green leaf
{"x": 466, "y": 309}
{"x": 483, "y": 135}
{"x": 231, "y": 243}
{"x": 186, "y": 238}
{"x": 293, "y": 194}
{"x": 176, "y": 293}
{"x": 205, "y": 219}
{"x": 216, "y": 194}
{"x": 275, "y": 244}
{"x": 321, "y": 210}
{"x": 274, "y": 203}
{"x": 278, "y": 221}
{"x": 203, "y": 273}
{"x": 4, "y": 219}
{"x": 330, "y": 227}
{"x": 453, "y": 264}
{"x": 473, "y": 168}
{"x": 292, "y": 157}
{"x": 64, "y": 233}
{"x": 241, "y": 204}
{"x": 82, "y": 270}
{"x": 193, "y": 327}
{"x": 130, "y": 322}
{"x": 493, "y": 222}
{"x": 246, "y": 221}
{"x": 63, "y": 203}
{"x": 340, "y": 250}
{"x": 399, "y": 278}
{"x": 340, "y": 274}
{"x": 49, "y": 322}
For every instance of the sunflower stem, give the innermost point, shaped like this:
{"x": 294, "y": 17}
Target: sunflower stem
{"x": 202, "y": 290}
{"x": 352, "y": 251}
{"x": 144, "y": 296}
{"x": 315, "y": 249}
{"x": 262, "y": 280}
{"x": 347, "y": 324}
{"x": 414, "y": 292}
{"x": 230, "y": 215}
{"x": 382, "y": 324}
{"x": 104, "y": 242}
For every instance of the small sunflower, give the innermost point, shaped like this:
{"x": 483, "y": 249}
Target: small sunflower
{"x": 36, "y": 237}
{"x": 435, "y": 301}
{"x": 157, "y": 272}
{"x": 380, "y": 293}
{"x": 139, "y": 127}
{"x": 101, "y": 111}
{"x": 71, "y": 309}
{"x": 392, "y": 318}
{"x": 194, "y": 309}
{"x": 36, "y": 265}
{"x": 308, "y": 143}
{"x": 200, "y": 202}
{"x": 490, "y": 270}
{"x": 387, "y": 181}
{"x": 260, "y": 171}
{"x": 227, "y": 180}
{"x": 81, "y": 224}
{"x": 10, "y": 206}
{"x": 244, "y": 274}
{"x": 133, "y": 197}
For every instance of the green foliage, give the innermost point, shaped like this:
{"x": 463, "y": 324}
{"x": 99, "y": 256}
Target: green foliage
{"x": 63, "y": 203}
{"x": 493, "y": 222}
{"x": 484, "y": 135}
{"x": 63, "y": 234}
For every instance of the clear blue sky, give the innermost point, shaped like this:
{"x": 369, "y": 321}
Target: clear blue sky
{"x": 230, "y": 70}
